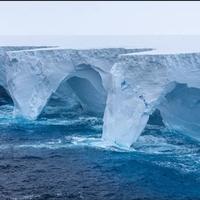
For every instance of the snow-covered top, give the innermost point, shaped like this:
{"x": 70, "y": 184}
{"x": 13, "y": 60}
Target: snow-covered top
{"x": 164, "y": 52}
{"x": 35, "y": 49}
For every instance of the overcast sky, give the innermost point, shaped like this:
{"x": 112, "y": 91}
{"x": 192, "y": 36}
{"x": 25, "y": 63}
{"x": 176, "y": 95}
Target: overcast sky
{"x": 99, "y": 18}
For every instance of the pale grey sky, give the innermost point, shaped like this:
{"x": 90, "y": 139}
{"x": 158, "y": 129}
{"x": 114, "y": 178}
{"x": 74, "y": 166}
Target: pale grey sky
{"x": 99, "y": 18}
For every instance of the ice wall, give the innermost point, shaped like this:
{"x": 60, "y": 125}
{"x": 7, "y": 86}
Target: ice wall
{"x": 34, "y": 75}
{"x": 4, "y": 63}
{"x": 140, "y": 83}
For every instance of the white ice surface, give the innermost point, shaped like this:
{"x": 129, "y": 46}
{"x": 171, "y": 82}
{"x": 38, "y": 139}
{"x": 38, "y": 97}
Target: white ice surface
{"x": 139, "y": 85}
{"x": 133, "y": 85}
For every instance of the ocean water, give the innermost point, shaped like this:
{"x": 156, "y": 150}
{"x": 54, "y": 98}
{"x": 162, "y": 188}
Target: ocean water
{"x": 65, "y": 158}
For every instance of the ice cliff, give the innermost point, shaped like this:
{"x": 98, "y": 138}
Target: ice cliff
{"x": 4, "y": 63}
{"x": 125, "y": 85}
{"x": 34, "y": 75}
{"x": 145, "y": 81}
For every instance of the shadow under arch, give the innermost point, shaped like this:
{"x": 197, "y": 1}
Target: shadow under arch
{"x": 5, "y": 97}
{"x": 181, "y": 102}
{"x": 81, "y": 92}
{"x": 180, "y": 110}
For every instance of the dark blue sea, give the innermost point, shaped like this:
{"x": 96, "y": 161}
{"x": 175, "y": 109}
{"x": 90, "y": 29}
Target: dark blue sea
{"x": 63, "y": 157}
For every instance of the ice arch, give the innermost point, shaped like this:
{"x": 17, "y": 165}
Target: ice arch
{"x": 139, "y": 86}
{"x": 33, "y": 75}
{"x": 84, "y": 83}
{"x": 61, "y": 102}
{"x": 81, "y": 88}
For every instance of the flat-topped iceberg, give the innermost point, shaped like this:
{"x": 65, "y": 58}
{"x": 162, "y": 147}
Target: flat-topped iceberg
{"x": 121, "y": 84}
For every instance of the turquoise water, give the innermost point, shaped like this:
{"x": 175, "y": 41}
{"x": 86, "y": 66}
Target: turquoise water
{"x": 65, "y": 158}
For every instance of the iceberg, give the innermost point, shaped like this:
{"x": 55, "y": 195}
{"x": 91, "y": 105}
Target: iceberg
{"x": 126, "y": 86}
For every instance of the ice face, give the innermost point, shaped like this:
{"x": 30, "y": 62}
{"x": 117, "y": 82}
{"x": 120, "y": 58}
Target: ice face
{"x": 137, "y": 88}
{"x": 4, "y": 61}
{"x": 139, "y": 85}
